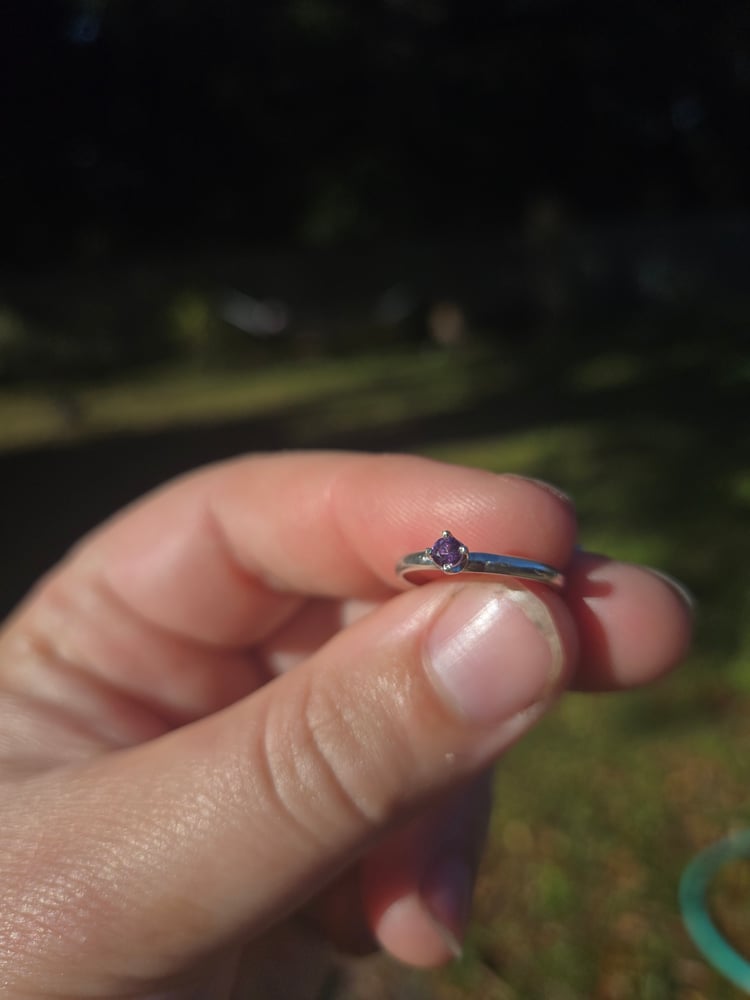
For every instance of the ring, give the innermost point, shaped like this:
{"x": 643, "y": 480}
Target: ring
{"x": 450, "y": 556}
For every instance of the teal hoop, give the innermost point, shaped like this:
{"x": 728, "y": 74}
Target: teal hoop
{"x": 694, "y": 885}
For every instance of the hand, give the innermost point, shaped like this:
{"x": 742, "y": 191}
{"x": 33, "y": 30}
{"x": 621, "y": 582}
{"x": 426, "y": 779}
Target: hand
{"x": 218, "y": 713}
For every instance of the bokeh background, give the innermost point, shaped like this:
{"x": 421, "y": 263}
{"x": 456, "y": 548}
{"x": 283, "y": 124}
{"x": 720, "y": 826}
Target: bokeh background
{"x": 513, "y": 234}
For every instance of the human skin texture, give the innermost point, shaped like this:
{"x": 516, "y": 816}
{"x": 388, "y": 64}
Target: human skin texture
{"x": 230, "y": 737}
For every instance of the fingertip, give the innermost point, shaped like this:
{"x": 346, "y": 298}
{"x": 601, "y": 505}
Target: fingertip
{"x": 410, "y": 933}
{"x": 551, "y": 504}
{"x": 417, "y": 887}
{"x": 558, "y": 495}
{"x": 680, "y": 590}
{"x": 634, "y": 624}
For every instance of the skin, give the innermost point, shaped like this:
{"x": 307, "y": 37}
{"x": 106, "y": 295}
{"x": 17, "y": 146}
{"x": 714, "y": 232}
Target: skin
{"x": 224, "y": 746}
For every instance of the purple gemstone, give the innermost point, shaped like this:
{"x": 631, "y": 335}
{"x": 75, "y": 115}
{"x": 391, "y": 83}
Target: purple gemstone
{"x": 446, "y": 551}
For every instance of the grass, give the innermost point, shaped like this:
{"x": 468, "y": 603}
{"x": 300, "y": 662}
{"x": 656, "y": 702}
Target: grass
{"x": 364, "y": 392}
{"x": 603, "y": 805}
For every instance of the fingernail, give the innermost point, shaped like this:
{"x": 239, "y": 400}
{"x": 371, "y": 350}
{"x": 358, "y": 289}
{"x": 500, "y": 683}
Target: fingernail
{"x": 679, "y": 588}
{"x": 549, "y": 487}
{"x": 446, "y": 893}
{"x": 493, "y": 652}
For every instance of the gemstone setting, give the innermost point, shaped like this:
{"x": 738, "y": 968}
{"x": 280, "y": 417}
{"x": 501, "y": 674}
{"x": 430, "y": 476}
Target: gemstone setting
{"x": 448, "y": 553}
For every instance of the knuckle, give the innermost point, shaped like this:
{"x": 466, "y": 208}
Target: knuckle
{"x": 335, "y": 760}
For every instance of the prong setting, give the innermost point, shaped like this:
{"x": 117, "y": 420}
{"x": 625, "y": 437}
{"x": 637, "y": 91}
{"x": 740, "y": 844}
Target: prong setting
{"x": 448, "y": 554}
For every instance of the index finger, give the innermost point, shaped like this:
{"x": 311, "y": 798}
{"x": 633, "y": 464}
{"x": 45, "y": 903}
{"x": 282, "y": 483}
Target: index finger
{"x": 224, "y": 555}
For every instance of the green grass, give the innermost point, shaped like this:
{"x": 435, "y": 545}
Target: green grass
{"x": 367, "y": 391}
{"x": 603, "y": 805}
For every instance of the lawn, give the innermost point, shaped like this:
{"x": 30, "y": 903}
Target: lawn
{"x": 600, "y": 809}
{"x": 603, "y": 805}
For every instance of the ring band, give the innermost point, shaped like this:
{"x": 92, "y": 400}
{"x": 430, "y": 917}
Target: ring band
{"x": 451, "y": 557}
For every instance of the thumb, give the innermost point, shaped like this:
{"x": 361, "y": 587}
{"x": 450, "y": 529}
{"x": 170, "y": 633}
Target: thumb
{"x": 177, "y": 848}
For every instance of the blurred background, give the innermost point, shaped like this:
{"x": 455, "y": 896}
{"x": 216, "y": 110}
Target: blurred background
{"x": 513, "y": 234}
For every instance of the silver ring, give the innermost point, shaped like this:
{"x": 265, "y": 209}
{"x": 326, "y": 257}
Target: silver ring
{"x": 450, "y": 556}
